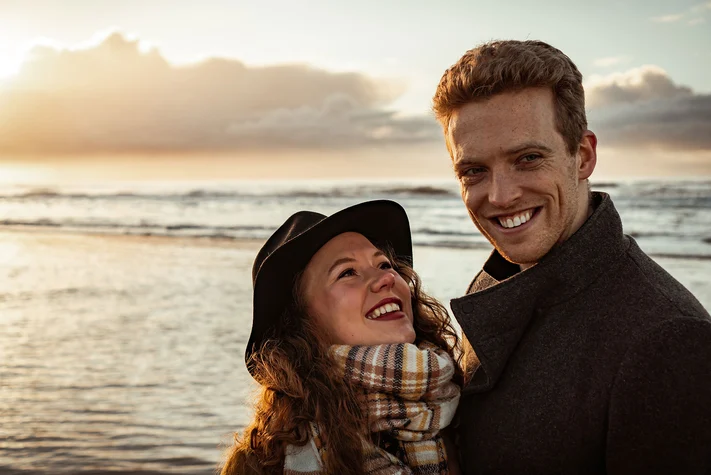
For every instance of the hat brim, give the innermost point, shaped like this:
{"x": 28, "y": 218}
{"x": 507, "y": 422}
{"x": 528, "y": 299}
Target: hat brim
{"x": 382, "y": 222}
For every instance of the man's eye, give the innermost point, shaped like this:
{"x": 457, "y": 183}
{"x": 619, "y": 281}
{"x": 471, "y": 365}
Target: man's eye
{"x": 347, "y": 273}
{"x": 472, "y": 171}
{"x": 530, "y": 158}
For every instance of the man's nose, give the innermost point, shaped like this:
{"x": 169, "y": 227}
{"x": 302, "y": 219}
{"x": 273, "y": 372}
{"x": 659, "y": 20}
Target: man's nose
{"x": 504, "y": 189}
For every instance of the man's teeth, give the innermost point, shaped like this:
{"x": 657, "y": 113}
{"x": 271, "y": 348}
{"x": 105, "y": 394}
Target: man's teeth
{"x": 516, "y": 220}
{"x": 387, "y": 308}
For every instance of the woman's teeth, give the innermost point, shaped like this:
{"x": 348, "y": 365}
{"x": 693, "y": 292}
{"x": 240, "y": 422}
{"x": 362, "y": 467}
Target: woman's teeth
{"x": 515, "y": 220}
{"x": 387, "y": 308}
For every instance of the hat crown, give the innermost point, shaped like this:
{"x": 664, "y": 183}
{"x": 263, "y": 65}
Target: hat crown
{"x": 295, "y": 225}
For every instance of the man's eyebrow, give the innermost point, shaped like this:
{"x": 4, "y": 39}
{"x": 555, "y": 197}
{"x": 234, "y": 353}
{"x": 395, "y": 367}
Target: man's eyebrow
{"x": 527, "y": 146}
{"x": 466, "y": 161}
{"x": 344, "y": 260}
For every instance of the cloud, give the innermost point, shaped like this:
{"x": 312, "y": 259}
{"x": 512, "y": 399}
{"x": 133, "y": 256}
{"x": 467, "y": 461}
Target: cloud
{"x": 668, "y": 18}
{"x": 635, "y": 85}
{"x": 700, "y": 7}
{"x": 694, "y": 11}
{"x": 339, "y": 122}
{"x": 116, "y": 97}
{"x": 644, "y": 107}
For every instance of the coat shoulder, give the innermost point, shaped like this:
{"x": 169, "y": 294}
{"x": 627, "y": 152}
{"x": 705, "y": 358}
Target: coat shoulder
{"x": 664, "y": 292}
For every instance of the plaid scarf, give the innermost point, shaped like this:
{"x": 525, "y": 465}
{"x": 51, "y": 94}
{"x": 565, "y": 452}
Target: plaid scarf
{"x": 408, "y": 395}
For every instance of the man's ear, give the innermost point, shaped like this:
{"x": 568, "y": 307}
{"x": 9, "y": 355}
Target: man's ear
{"x": 588, "y": 155}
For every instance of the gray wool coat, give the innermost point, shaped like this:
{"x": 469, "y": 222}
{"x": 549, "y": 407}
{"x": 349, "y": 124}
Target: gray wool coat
{"x": 593, "y": 361}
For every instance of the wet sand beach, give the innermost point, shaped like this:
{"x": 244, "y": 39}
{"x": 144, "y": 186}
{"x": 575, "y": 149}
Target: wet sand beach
{"x": 124, "y": 354}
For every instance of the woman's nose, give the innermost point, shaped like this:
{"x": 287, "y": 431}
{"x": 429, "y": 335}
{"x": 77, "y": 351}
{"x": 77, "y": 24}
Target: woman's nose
{"x": 384, "y": 278}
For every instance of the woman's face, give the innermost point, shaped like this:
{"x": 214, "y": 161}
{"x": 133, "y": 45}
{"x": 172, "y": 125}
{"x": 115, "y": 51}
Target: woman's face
{"x": 352, "y": 291}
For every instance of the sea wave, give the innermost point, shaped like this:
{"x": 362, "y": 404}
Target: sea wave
{"x": 670, "y": 202}
{"x": 448, "y": 232}
{"x": 335, "y": 191}
{"x": 422, "y": 236}
{"x": 689, "y": 192}
{"x": 143, "y": 228}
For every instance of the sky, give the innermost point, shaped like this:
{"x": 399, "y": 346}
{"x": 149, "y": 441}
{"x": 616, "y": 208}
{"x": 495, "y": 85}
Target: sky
{"x": 213, "y": 88}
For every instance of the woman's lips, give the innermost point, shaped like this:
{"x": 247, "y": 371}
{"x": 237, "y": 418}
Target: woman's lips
{"x": 389, "y": 316}
{"x": 384, "y": 307}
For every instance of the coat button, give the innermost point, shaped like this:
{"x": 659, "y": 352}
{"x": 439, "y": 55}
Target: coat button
{"x": 467, "y": 307}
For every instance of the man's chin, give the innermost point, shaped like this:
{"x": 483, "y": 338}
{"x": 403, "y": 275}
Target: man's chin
{"x": 520, "y": 258}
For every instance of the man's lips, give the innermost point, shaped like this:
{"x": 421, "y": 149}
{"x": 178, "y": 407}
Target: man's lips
{"x": 515, "y": 221}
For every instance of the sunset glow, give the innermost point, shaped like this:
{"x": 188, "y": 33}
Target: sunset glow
{"x": 9, "y": 64}
{"x": 150, "y": 148}
{"x": 91, "y": 80}
{"x": 22, "y": 173}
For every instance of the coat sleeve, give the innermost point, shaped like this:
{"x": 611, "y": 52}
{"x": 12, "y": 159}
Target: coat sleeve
{"x": 659, "y": 418}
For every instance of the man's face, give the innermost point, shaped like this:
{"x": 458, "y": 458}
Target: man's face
{"x": 522, "y": 188}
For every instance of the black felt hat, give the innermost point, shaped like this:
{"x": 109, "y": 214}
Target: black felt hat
{"x": 291, "y": 247}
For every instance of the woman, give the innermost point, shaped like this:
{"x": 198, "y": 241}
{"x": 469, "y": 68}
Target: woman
{"x": 356, "y": 364}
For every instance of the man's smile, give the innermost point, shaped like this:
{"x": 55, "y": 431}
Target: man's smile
{"x": 518, "y": 220}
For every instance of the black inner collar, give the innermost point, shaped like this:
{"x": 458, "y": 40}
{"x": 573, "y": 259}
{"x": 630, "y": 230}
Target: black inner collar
{"x": 499, "y": 268}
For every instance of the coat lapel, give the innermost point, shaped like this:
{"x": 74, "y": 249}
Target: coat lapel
{"x": 502, "y": 301}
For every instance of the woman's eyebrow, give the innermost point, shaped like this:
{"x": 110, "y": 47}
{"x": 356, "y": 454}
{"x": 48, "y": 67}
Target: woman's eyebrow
{"x": 340, "y": 261}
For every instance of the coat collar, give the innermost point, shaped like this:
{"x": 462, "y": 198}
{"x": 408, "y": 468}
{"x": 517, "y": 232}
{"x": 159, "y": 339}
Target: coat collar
{"x": 503, "y": 300}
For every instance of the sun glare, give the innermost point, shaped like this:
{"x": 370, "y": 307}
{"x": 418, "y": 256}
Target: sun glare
{"x": 13, "y": 174}
{"x": 9, "y": 65}
{"x": 11, "y": 59}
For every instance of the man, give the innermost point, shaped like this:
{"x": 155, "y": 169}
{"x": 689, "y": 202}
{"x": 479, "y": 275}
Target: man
{"x": 593, "y": 358}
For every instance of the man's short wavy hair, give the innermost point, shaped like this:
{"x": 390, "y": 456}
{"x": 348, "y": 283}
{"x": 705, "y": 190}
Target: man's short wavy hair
{"x": 506, "y": 66}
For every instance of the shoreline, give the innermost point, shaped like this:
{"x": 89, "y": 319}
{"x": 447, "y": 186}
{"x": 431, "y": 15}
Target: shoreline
{"x": 204, "y": 241}
{"x": 249, "y": 243}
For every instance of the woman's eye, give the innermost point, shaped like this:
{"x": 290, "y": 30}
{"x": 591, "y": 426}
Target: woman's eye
{"x": 386, "y": 265}
{"x": 347, "y": 273}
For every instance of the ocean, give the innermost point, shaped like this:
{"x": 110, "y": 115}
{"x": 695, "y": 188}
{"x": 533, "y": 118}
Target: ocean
{"x": 670, "y": 218}
{"x": 125, "y": 308}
